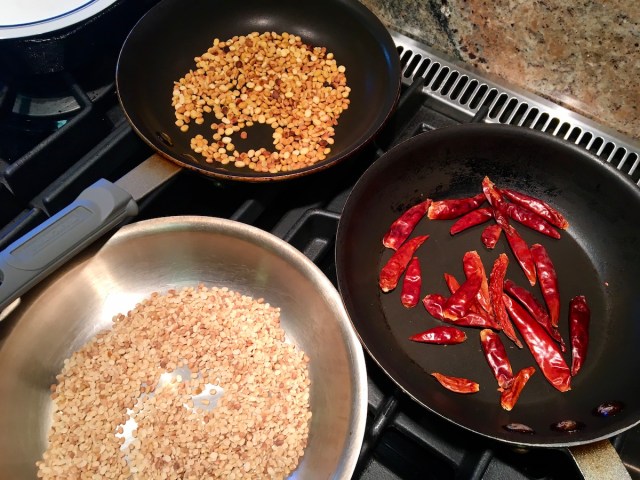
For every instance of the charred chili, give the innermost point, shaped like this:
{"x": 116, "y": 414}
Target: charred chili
{"x": 544, "y": 350}
{"x": 457, "y": 384}
{"x": 411, "y": 284}
{"x": 548, "y": 281}
{"x": 442, "y": 335}
{"x": 579, "y": 318}
{"x": 402, "y": 227}
{"x": 395, "y": 266}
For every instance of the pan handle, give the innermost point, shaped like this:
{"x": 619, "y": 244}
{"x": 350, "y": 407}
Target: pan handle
{"x": 32, "y": 257}
{"x": 599, "y": 461}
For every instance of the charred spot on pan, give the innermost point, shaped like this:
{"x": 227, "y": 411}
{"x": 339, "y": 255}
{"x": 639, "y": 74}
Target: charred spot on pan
{"x": 567, "y": 426}
{"x": 165, "y": 138}
{"x": 608, "y": 409}
{"x": 519, "y": 428}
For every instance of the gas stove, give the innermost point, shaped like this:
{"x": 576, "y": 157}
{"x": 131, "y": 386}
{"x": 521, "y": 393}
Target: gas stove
{"x": 56, "y": 141}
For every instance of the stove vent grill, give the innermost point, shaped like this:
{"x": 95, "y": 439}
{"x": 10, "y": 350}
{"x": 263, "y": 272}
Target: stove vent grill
{"x": 465, "y": 90}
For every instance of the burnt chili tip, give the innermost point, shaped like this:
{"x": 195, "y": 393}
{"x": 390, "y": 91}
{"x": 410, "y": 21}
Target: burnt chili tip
{"x": 519, "y": 428}
{"x": 608, "y": 409}
{"x": 567, "y": 426}
{"x": 165, "y": 138}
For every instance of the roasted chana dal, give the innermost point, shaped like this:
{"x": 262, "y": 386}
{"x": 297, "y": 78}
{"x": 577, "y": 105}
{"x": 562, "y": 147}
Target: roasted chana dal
{"x": 268, "y": 78}
{"x": 228, "y": 342}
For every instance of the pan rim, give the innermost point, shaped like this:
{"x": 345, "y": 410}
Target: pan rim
{"x": 388, "y": 367}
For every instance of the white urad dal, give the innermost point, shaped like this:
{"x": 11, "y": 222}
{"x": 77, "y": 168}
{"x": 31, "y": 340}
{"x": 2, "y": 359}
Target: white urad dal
{"x": 258, "y": 429}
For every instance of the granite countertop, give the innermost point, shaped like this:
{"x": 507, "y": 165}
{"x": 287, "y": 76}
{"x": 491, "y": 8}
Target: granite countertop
{"x": 582, "y": 54}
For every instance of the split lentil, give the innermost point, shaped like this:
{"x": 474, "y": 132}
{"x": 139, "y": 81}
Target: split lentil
{"x": 268, "y": 78}
{"x": 258, "y": 429}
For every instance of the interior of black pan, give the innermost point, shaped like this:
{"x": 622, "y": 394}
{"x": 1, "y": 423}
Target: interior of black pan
{"x": 162, "y": 46}
{"x": 597, "y": 256}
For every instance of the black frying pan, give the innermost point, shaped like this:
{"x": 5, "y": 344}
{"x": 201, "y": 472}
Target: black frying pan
{"x": 162, "y": 46}
{"x": 598, "y": 256}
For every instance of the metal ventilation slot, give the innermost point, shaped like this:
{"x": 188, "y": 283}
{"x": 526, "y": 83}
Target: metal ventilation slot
{"x": 466, "y": 91}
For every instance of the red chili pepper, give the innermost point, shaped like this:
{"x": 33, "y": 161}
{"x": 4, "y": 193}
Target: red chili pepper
{"x": 434, "y": 303}
{"x": 579, "y": 317}
{"x": 440, "y": 335}
{"x": 453, "y": 208}
{"x": 476, "y": 316}
{"x": 392, "y": 270}
{"x": 538, "y": 206}
{"x": 412, "y": 284}
{"x": 518, "y": 246}
{"x": 496, "y": 356}
{"x": 544, "y": 350}
{"x": 510, "y": 396}
{"x": 457, "y": 384}
{"x": 492, "y": 194}
{"x": 533, "y": 306}
{"x": 490, "y": 235}
{"x": 471, "y": 219}
{"x": 530, "y": 219}
{"x": 458, "y": 303}
{"x": 496, "y": 286}
{"x": 402, "y": 227}
{"x": 472, "y": 265}
{"x": 548, "y": 281}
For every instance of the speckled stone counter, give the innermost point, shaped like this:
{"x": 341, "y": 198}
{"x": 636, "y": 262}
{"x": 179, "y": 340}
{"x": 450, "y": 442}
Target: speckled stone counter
{"x": 583, "y": 54}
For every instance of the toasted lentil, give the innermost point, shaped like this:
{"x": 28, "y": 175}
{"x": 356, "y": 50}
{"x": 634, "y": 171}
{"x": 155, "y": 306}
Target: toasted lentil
{"x": 258, "y": 429}
{"x": 268, "y": 78}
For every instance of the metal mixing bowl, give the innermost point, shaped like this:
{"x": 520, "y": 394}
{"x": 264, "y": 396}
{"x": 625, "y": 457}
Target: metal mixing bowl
{"x": 64, "y": 312}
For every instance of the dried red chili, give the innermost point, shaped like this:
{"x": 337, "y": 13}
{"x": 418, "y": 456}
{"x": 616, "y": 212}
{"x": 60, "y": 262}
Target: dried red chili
{"x": 395, "y": 266}
{"x": 548, "y": 281}
{"x": 471, "y": 219}
{"x": 411, "y": 284}
{"x": 544, "y": 350}
{"x": 458, "y": 303}
{"x": 434, "y": 303}
{"x": 402, "y": 227}
{"x": 491, "y": 235}
{"x": 530, "y": 219}
{"x": 492, "y": 194}
{"x": 510, "y": 396}
{"x": 472, "y": 265}
{"x": 518, "y": 246}
{"x": 476, "y": 316}
{"x": 533, "y": 306}
{"x": 538, "y": 206}
{"x": 453, "y": 208}
{"x": 496, "y": 286}
{"x": 579, "y": 318}
{"x": 457, "y": 384}
{"x": 442, "y": 335}
{"x": 496, "y": 356}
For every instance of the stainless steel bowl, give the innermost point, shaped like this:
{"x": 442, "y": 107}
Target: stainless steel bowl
{"x": 60, "y": 315}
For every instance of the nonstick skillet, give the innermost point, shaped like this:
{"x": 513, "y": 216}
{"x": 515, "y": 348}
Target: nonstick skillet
{"x": 161, "y": 49}
{"x": 597, "y": 256}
